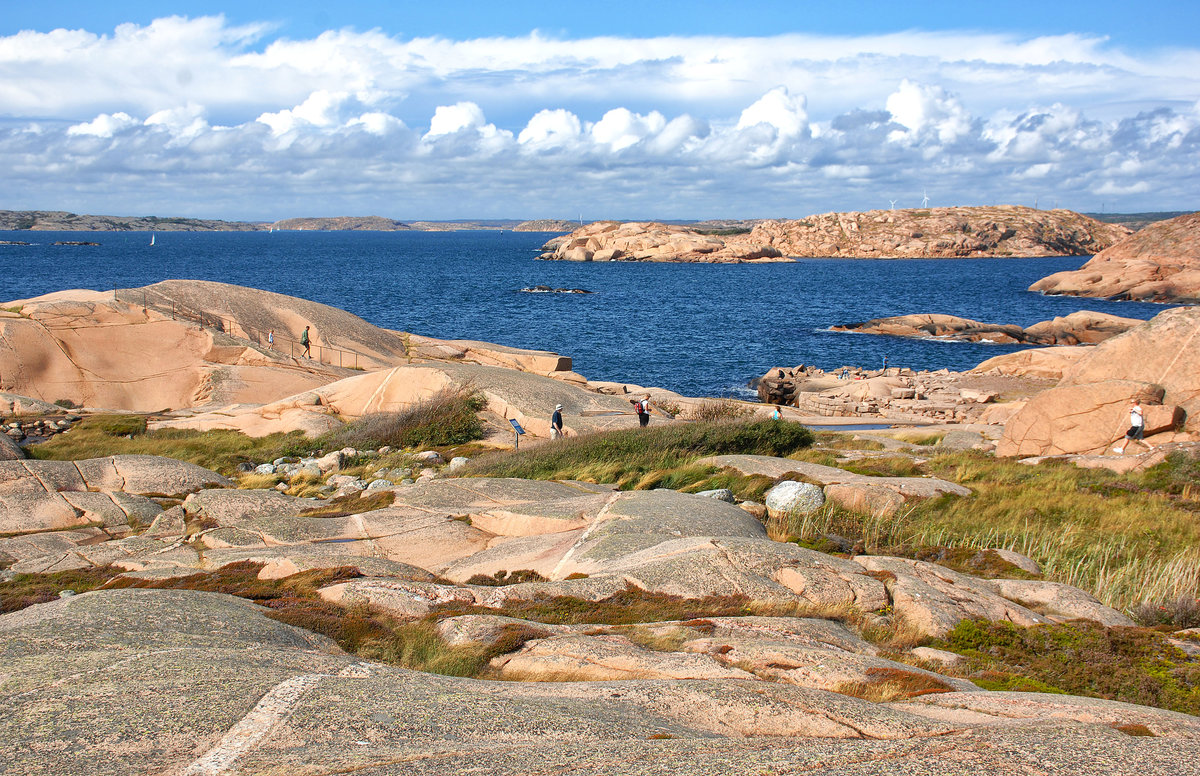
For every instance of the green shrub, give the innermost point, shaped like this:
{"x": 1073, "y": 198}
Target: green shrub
{"x": 446, "y": 418}
{"x": 724, "y": 409}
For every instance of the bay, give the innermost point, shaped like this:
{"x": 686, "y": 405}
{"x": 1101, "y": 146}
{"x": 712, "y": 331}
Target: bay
{"x": 700, "y": 329}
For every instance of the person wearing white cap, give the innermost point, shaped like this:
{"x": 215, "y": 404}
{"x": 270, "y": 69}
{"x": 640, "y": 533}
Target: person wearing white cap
{"x": 556, "y": 426}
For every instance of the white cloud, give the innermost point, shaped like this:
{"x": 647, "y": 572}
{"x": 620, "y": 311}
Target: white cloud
{"x": 104, "y": 125}
{"x": 920, "y": 108}
{"x": 779, "y": 110}
{"x": 551, "y": 129}
{"x": 727, "y": 125}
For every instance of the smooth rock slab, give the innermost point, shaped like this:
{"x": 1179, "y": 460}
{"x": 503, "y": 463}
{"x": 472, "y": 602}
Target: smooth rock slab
{"x": 121, "y": 683}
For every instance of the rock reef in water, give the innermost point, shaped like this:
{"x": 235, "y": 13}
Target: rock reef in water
{"x": 952, "y": 232}
{"x": 549, "y": 290}
{"x": 1079, "y": 328}
{"x": 1160, "y": 263}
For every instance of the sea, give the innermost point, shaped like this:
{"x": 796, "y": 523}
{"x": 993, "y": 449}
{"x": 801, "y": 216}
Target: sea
{"x": 699, "y": 329}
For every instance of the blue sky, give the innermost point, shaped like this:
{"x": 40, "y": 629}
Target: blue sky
{"x": 613, "y": 109}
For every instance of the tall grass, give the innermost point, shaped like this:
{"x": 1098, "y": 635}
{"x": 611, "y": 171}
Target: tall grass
{"x": 644, "y": 457}
{"x": 1127, "y": 539}
{"x": 446, "y": 418}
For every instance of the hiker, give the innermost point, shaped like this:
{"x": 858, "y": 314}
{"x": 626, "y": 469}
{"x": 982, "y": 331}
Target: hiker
{"x": 556, "y": 427}
{"x": 271, "y": 339}
{"x": 305, "y": 342}
{"x": 1137, "y": 428}
{"x": 642, "y": 408}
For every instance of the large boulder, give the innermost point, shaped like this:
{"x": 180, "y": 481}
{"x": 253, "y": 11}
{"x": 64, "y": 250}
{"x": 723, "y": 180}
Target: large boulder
{"x": 790, "y": 497}
{"x": 1158, "y": 361}
{"x": 1082, "y": 419}
{"x": 1160, "y": 263}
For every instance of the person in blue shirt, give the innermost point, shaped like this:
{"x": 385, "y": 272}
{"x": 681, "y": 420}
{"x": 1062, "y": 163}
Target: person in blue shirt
{"x": 556, "y": 424}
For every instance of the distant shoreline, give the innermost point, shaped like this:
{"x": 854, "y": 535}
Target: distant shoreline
{"x": 63, "y": 221}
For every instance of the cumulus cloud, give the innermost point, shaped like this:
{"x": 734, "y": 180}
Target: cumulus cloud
{"x": 104, "y": 125}
{"x": 780, "y": 111}
{"x": 662, "y": 127}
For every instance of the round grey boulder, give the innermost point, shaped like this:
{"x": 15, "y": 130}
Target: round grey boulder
{"x": 720, "y": 494}
{"x": 794, "y": 498}
{"x": 265, "y": 468}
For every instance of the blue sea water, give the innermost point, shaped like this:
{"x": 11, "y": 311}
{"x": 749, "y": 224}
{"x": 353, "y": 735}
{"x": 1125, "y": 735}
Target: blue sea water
{"x": 700, "y": 329}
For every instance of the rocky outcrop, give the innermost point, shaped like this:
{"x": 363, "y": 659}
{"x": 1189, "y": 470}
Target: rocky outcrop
{"x": 877, "y": 496}
{"x": 1082, "y": 327}
{"x": 1160, "y": 263}
{"x": 954, "y": 232}
{"x": 950, "y": 232}
{"x": 899, "y": 394}
{"x": 103, "y": 349}
{"x": 340, "y": 224}
{"x": 1043, "y": 363}
{"x": 649, "y": 241}
{"x": 1158, "y": 361}
{"x": 61, "y": 221}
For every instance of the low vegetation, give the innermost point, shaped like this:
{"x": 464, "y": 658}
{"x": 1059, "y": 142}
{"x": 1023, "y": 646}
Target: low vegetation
{"x": 641, "y": 458}
{"x": 1134, "y": 665}
{"x": 102, "y": 435}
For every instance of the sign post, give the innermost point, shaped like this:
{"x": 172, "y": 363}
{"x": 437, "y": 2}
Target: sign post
{"x": 517, "y": 432}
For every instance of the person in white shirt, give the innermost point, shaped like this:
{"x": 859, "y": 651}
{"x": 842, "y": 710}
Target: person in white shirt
{"x": 1137, "y": 428}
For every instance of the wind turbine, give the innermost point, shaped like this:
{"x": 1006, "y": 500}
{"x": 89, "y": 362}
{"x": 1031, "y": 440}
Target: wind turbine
{"x": 893, "y": 201}
{"x": 925, "y": 198}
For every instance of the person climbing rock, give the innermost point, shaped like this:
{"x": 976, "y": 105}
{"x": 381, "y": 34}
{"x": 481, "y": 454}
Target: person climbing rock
{"x": 1137, "y": 428}
{"x": 304, "y": 340}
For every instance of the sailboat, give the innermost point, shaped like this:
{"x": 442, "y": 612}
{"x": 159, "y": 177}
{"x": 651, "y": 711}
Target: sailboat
{"x": 152, "y": 238}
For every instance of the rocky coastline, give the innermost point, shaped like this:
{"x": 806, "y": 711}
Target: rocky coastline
{"x": 1160, "y": 263}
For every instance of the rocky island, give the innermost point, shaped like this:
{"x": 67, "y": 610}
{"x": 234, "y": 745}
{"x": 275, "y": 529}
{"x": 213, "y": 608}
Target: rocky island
{"x": 339, "y": 224}
{"x": 952, "y": 232}
{"x": 1160, "y": 263}
{"x": 229, "y": 557}
{"x": 62, "y": 221}
{"x": 1080, "y": 328}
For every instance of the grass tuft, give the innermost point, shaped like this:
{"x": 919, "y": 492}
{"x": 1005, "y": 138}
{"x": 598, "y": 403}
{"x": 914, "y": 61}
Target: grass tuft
{"x": 446, "y": 418}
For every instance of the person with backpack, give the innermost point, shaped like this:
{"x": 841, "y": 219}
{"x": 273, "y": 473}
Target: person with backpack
{"x": 306, "y": 343}
{"x": 642, "y": 408}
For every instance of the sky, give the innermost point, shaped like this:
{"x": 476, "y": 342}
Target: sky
{"x": 625, "y": 110}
